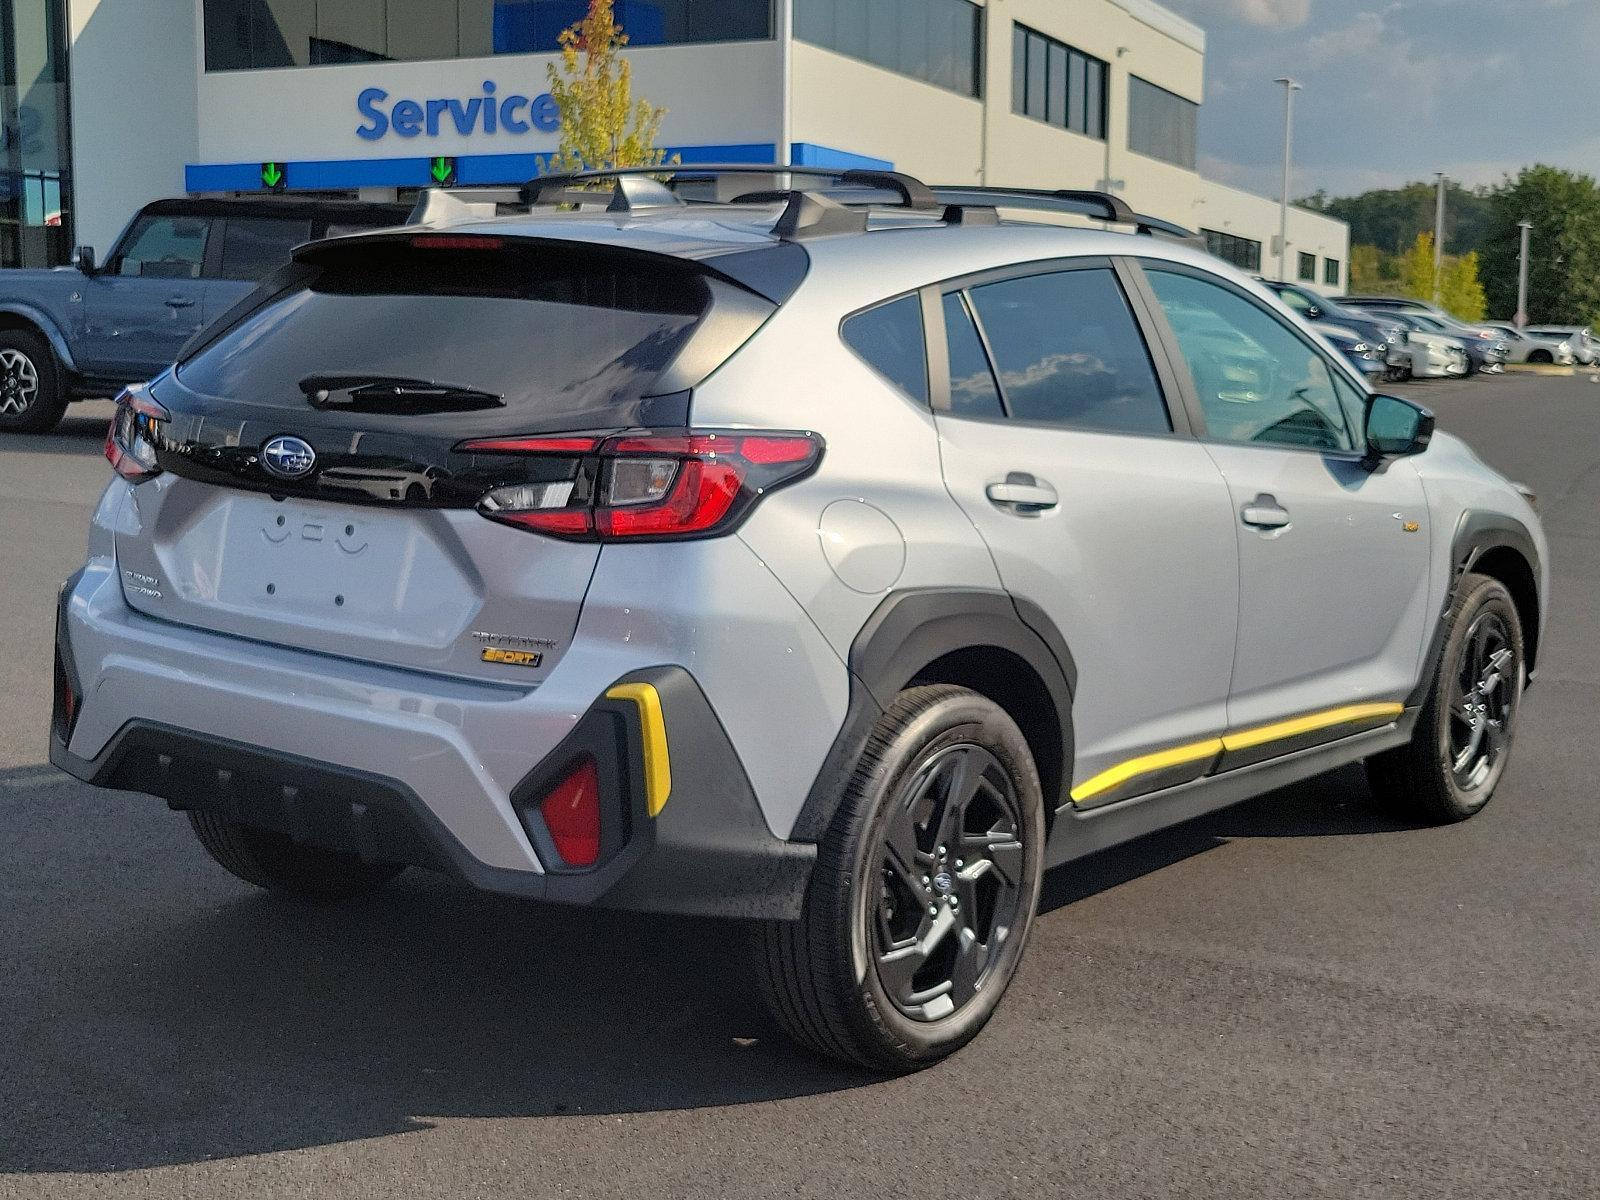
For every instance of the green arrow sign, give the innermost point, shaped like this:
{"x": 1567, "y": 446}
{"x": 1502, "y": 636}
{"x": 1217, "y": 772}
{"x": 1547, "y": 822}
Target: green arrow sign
{"x": 443, "y": 170}
{"x": 272, "y": 175}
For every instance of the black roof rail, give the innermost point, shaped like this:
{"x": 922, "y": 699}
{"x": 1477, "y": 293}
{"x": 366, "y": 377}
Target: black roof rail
{"x": 1100, "y": 206}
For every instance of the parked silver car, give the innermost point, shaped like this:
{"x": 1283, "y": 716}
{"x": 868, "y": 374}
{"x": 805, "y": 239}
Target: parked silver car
{"x": 838, "y": 558}
{"x": 1524, "y": 347}
{"x": 1585, "y": 346}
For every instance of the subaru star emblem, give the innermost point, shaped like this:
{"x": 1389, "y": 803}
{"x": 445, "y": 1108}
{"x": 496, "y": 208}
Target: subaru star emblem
{"x": 288, "y": 457}
{"x": 944, "y": 883}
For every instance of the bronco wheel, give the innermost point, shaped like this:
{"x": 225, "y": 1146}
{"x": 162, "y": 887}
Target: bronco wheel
{"x": 273, "y": 861}
{"x": 924, "y": 890}
{"x": 1449, "y": 769}
{"x": 31, "y": 400}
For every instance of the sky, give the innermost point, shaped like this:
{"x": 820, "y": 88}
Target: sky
{"x": 1397, "y": 89}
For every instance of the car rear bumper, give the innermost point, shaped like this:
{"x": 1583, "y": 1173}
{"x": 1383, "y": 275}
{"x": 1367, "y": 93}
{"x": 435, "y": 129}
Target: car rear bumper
{"x": 400, "y": 767}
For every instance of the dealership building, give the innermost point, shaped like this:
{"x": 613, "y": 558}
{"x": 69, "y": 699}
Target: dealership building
{"x": 111, "y": 103}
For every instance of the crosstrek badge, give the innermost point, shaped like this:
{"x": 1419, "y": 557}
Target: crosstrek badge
{"x": 512, "y": 658}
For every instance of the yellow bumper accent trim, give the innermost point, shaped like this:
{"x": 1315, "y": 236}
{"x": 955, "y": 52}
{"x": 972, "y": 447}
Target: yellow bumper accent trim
{"x": 657, "y": 763}
{"x": 1144, "y": 765}
{"x": 1244, "y": 739}
{"x": 1347, "y": 715}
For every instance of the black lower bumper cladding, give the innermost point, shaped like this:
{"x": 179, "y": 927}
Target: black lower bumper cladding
{"x": 709, "y": 852}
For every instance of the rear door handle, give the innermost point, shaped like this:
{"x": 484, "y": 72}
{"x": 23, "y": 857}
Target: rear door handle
{"x": 1264, "y": 512}
{"x": 1022, "y": 493}
{"x": 180, "y": 301}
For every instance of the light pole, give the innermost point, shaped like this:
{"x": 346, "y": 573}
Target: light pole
{"x": 1438, "y": 237}
{"x": 1290, "y": 87}
{"x": 1522, "y": 275}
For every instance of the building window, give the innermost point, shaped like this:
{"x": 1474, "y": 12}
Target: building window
{"x": 243, "y": 35}
{"x": 1162, "y": 124}
{"x": 933, "y": 40}
{"x": 1053, "y": 82}
{"x": 35, "y": 141}
{"x": 1308, "y": 267}
{"x": 1230, "y": 247}
{"x": 1330, "y": 272}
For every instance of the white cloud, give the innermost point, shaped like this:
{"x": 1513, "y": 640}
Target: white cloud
{"x": 1265, "y": 14}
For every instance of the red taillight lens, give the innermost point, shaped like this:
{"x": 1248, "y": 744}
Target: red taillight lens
{"x": 572, "y": 815}
{"x": 658, "y": 486}
{"x": 134, "y": 433}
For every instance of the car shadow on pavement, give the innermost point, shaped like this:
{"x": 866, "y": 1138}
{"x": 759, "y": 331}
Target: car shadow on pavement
{"x": 165, "y": 1015}
{"x": 153, "y": 1013}
{"x": 1336, "y": 804}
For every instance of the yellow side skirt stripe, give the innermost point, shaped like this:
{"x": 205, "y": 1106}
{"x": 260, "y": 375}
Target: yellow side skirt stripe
{"x": 657, "y": 764}
{"x": 1243, "y": 739}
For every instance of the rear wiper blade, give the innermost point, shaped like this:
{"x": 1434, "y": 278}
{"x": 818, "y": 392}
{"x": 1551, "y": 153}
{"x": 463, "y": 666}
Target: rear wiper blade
{"x": 396, "y": 394}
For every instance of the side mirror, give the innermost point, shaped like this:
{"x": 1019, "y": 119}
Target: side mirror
{"x": 83, "y": 259}
{"x": 1396, "y": 428}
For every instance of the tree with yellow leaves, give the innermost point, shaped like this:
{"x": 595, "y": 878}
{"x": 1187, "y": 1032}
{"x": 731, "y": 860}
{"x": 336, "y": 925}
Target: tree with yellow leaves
{"x": 1460, "y": 290}
{"x": 601, "y": 124}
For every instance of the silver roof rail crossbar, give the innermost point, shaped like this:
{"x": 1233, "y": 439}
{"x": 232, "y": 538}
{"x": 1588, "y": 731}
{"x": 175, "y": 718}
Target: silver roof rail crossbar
{"x": 460, "y": 204}
{"x": 629, "y": 191}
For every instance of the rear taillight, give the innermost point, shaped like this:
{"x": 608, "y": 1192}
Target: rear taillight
{"x": 646, "y": 486}
{"x": 134, "y": 434}
{"x": 571, "y": 813}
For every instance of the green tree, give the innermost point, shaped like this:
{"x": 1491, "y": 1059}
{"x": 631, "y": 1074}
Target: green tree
{"x": 601, "y": 124}
{"x": 1372, "y": 272}
{"x": 1564, "y": 256}
{"x": 1391, "y": 218}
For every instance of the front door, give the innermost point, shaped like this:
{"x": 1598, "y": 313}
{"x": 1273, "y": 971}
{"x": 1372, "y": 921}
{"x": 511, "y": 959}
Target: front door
{"x": 149, "y": 300}
{"x": 1333, "y": 556}
{"x": 1058, "y": 443}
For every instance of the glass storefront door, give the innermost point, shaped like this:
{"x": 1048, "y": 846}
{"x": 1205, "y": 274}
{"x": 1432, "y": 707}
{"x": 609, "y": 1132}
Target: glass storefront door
{"x": 35, "y": 139}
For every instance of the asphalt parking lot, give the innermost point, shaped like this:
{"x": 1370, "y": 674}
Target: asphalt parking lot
{"x": 1297, "y": 997}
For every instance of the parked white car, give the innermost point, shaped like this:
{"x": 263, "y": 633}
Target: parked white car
{"x": 1432, "y": 355}
{"x": 1585, "y": 346}
{"x": 1525, "y": 347}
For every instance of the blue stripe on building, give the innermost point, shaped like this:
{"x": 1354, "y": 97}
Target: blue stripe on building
{"x": 341, "y": 173}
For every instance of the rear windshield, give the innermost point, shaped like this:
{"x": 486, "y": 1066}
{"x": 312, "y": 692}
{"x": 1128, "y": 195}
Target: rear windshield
{"x": 550, "y": 329}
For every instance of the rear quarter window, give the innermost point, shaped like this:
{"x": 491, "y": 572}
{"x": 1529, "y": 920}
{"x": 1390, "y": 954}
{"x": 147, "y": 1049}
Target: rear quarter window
{"x": 890, "y": 339}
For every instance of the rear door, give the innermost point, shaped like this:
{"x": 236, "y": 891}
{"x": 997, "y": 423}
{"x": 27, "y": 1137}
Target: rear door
{"x": 1059, "y": 443}
{"x": 151, "y": 297}
{"x": 302, "y": 505}
{"x": 1333, "y": 556}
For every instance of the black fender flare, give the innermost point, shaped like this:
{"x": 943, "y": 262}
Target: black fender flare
{"x": 1478, "y": 531}
{"x": 911, "y": 629}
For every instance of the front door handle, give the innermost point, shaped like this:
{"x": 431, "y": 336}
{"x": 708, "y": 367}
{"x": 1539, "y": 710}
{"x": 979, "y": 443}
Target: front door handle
{"x": 1264, "y": 512}
{"x": 180, "y": 301}
{"x": 1023, "y": 494}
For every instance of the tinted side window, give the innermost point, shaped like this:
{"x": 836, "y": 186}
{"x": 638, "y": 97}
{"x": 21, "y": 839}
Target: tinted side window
{"x": 166, "y": 248}
{"x": 973, "y": 392}
{"x": 254, "y": 246}
{"x": 891, "y": 341}
{"x": 1069, "y": 352}
{"x": 1258, "y": 380}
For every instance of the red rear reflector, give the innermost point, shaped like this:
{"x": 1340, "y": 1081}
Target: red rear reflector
{"x": 572, "y": 815}
{"x": 769, "y": 451}
{"x": 569, "y": 521}
{"x": 455, "y": 241}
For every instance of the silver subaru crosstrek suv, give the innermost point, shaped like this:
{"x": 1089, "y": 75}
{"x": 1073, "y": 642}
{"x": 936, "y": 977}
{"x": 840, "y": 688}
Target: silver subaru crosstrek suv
{"x": 838, "y": 555}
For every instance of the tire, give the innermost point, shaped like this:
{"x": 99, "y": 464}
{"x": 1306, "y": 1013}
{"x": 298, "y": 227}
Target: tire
{"x": 1449, "y": 769}
{"x": 870, "y": 926}
{"x": 31, "y": 397}
{"x": 275, "y": 862}
{"x": 1541, "y": 356}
